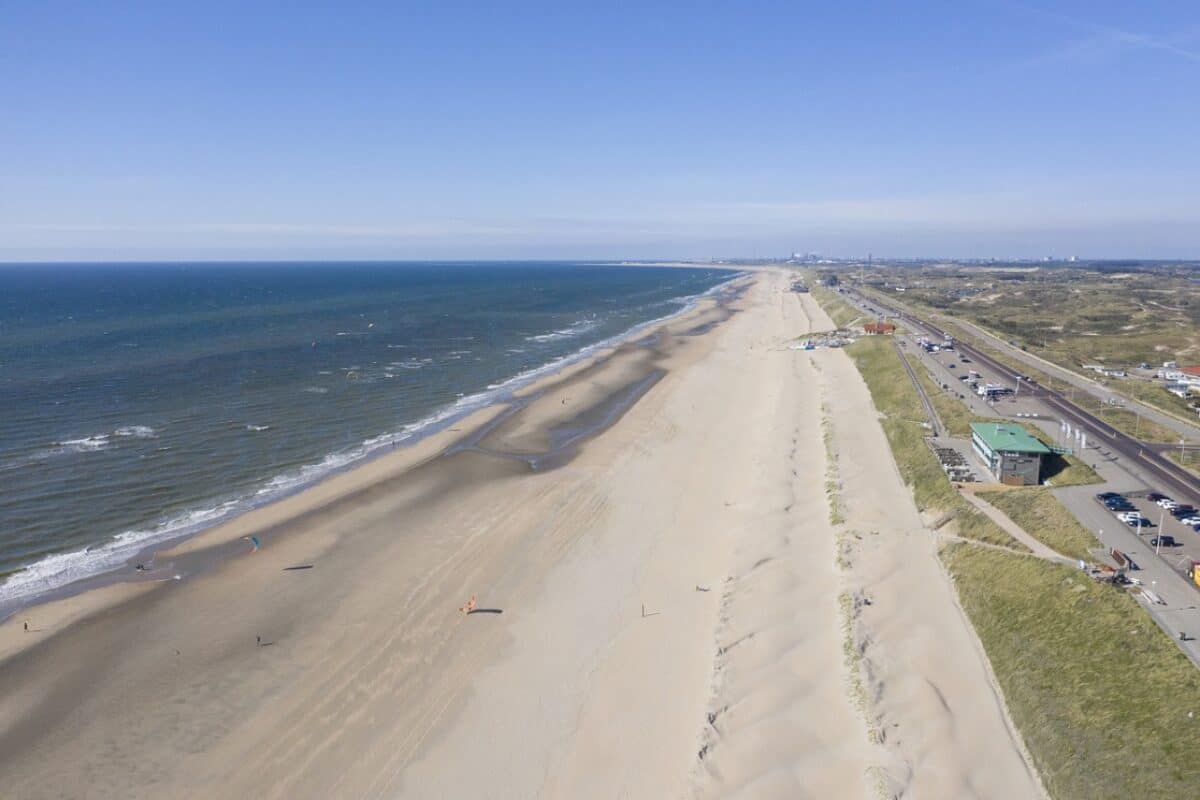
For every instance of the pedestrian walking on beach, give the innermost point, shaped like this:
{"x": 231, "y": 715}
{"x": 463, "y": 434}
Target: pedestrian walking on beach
{"x": 27, "y": 626}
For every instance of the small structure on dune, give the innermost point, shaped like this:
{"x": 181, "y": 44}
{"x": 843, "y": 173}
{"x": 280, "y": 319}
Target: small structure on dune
{"x": 879, "y": 328}
{"x": 1012, "y": 455}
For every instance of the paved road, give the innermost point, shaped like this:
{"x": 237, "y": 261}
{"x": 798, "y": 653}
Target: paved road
{"x": 1155, "y": 466}
{"x": 1162, "y": 573}
{"x": 1185, "y": 428}
{"x": 1180, "y": 612}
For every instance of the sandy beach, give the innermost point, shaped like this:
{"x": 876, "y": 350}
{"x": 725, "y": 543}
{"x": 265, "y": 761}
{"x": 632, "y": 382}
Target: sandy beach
{"x": 647, "y": 535}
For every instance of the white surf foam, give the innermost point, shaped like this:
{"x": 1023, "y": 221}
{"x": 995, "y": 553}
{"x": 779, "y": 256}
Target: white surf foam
{"x": 86, "y": 444}
{"x": 58, "y": 570}
{"x": 576, "y": 329}
{"x": 136, "y": 431}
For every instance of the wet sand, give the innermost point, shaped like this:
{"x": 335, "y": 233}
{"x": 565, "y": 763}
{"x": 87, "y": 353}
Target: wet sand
{"x": 647, "y": 538}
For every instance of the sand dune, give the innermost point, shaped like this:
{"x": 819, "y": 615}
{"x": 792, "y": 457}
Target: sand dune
{"x": 650, "y": 533}
{"x": 934, "y": 703}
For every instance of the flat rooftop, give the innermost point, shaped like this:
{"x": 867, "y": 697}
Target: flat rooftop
{"x": 1008, "y": 438}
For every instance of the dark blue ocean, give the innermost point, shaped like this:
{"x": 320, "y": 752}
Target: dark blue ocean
{"x": 143, "y": 402}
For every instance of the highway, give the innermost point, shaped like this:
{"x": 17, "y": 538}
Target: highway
{"x": 1165, "y": 474}
{"x": 1187, "y": 429}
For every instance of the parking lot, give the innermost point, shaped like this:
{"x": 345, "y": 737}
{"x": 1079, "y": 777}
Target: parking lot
{"x": 948, "y": 368}
{"x": 1187, "y": 540}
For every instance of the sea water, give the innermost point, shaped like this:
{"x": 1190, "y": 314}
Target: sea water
{"x": 143, "y": 402}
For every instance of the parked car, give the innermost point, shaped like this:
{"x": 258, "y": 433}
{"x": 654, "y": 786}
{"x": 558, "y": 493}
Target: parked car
{"x": 1106, "y": 496}
{"x": 1165, "y": 541}
{"x": 1125, "y": 516}
{"x": 1155, "y": 497}
{"x": 1182, "y": 511}
{"x": 1167, "y": 502}
{"x": 1140, "y": 522}
{"x": 1118, "y": 503}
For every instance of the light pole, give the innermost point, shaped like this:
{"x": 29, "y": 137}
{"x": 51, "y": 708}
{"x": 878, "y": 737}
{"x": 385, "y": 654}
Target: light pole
{"x": 1162, "y": 515}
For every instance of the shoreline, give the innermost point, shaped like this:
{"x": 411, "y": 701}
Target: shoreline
{"x": 466, "y": 411}
{"x": 197, "y": 552}
{"x": 664, "y": 609}
{"x": 362, "y": 667}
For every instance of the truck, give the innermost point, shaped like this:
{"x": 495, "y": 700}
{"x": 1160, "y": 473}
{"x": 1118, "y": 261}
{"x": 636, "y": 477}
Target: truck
{"x": 992, "y": 390}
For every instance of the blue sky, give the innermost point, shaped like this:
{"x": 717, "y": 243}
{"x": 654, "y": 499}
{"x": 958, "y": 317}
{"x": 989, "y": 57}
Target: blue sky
{"x": 615, "y": 130}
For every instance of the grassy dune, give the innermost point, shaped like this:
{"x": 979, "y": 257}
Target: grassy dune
{"x": 1099, "y": 693}
{"x": 1046, "y": 519}
{"x": 841, "y": 312}
{"x": 897, "y": 399}
{"x": 1117, "y": 323}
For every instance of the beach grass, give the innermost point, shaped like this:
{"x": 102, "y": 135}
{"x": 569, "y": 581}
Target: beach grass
{"x": 833, "y": 484}
{"x": 1099, "y": 693}
{"x": 897, "y": 400}
{"x": 955, "y": 414}
{"x": 1116, "y": 324}
{"x": 1065, "y": 470}
{"x": 1044, "y": 518}
{"x": 842, "y": 313}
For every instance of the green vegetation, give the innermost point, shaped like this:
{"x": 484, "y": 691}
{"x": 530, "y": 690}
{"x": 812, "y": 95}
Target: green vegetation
{"x": 1119, "y": 417}
{"x": 842, "y": 313}
{"x": 1124, "y": 420}
{"x": 1189, "y": 460}
{"x": 1100, "y": 694}
{"x": 1059, "y": 469}
{"x": 1152, "y": 394}
{"x": 955, "y": 415}
{"x": 1064, "y": 470}
{"x": 1044, "y": 518}
{"x": 896, "y": 398}
{"x": 853, "y": 661}
{"x": 1117, "y": 318}
{"x": 833, "y": 482}
{"x": 1071, "y": 317}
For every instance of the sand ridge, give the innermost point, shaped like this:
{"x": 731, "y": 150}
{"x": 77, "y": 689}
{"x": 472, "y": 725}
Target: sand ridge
{"x": 934, "y": 704}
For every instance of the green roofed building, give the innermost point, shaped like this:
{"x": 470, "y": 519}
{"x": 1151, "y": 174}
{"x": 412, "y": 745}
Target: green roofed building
{"x": 1012, "y": 455}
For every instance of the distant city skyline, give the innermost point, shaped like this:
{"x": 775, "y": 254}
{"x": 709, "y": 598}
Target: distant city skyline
{"x": 538, "y": 131}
